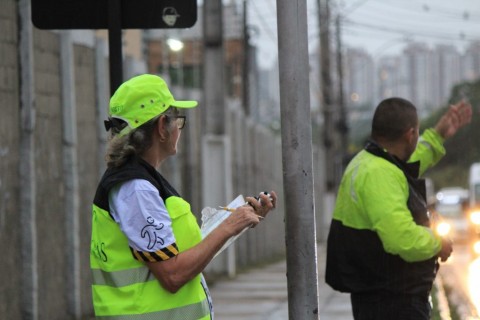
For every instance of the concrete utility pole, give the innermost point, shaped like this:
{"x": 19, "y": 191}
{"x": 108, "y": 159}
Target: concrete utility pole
{"x": 216, "y": 156}
{"x": 302, "y": 277}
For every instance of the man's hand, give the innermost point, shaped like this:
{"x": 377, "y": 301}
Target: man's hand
{"x": 447, "y": 249}
{"x": 457, "y": 116}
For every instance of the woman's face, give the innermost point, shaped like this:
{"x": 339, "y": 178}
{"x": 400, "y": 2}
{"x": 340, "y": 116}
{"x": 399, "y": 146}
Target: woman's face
{"x": 174, "y": 136}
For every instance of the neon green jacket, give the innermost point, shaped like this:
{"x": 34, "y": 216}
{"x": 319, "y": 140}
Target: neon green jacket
{"x": 380, "y": 235}
{"x": 123, "y": 287}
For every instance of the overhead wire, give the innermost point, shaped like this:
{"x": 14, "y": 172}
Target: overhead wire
{"x": 432, "y": 6}
{"x": 409, "y": 32}
{"x": 409, "y": 21}
{"x": 417, "y": 18}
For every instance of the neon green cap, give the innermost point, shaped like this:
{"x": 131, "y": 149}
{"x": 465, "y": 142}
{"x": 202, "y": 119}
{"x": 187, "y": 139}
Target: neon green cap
{"x": 141, "y": 99}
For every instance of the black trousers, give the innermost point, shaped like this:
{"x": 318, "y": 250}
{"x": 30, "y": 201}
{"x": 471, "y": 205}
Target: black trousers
{"x": 391, "y": 307}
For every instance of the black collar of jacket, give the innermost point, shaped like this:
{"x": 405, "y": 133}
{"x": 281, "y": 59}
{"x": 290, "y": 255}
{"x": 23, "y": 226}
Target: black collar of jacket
{"x": 410, "y": 169}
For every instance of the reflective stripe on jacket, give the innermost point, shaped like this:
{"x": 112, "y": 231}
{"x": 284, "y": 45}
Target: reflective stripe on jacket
{"x": 123, "y": 287}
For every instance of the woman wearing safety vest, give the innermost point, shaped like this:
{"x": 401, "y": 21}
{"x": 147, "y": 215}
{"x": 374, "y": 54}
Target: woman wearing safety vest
{"x": 147, "y": 253}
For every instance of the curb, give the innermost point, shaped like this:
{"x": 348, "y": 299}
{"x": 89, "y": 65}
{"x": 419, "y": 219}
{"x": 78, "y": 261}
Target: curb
{"x": 443, "y": 308}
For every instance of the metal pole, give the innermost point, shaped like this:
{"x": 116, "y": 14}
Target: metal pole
{"x": 246, "y": 64}
{"x": 327, "y": 92}
{"x": 115, "y": 44}
{"x": 342, "y": 125}
{"x": 28, "y": 215}
{"x": 302, "y": 276}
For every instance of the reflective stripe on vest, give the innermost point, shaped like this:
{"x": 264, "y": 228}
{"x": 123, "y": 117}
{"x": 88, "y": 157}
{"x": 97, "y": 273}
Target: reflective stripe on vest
{"x": 198, "y": 310}
{"x": 121, "y": 278}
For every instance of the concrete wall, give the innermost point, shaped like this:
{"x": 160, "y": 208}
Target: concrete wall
{"x": 50, "y": 195}
{"x": 51, "y": 229}
{"x": 9, "y": 157}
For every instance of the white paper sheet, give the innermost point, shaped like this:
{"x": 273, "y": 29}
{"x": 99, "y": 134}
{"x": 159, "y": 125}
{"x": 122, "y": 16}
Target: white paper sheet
{"x": 211, "y": 218}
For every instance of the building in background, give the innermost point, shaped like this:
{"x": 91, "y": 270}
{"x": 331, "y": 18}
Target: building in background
{"x": 417, "y": 65}
{"x": 390, "y": 80}
{"x": 421, "y": 74}
{"x": 359, "y": 78}
{"x": 133, "y": 49}
{"x": 446, "y": 73}
{"x": 471, "y": 62}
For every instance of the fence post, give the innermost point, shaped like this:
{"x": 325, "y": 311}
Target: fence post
{"x": 70, "y": 173}
{"x": 28, "y": 215}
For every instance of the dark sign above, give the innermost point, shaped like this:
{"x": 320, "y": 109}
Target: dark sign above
{"x": 93, "y": 14}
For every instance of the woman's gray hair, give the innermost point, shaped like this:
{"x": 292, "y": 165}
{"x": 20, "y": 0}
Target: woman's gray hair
{"x": 121, "y": 148}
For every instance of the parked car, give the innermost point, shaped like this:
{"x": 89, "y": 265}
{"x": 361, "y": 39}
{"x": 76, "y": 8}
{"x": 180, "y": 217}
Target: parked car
{"x": 451, "y": 208}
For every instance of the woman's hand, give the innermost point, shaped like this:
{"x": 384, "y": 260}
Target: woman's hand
{"x": 264, "y": 204}
{"x": 240, "y": 219}
{"x": 250, "y": 214}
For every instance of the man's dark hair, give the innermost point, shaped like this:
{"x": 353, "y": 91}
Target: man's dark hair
{"x": 392, "y": 117}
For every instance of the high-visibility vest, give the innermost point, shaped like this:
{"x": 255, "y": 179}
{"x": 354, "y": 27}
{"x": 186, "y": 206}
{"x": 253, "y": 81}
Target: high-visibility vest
{"x": 123, "y": 287}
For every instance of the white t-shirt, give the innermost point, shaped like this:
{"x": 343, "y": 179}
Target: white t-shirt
{"x": 142, "y": 216}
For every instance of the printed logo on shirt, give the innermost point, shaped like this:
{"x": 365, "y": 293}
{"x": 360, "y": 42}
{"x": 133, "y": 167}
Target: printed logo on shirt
{"x": 151, "y": 233}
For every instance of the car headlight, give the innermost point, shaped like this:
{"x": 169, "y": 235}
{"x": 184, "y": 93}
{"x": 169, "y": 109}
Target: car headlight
{"x": 443, "y": 229}
{"x": 475, "y": 217}
{"x": 476, "y": 247}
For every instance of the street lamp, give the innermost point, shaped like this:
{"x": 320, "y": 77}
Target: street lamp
{"x": 175, "y": 44}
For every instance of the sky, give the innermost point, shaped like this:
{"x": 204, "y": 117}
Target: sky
{"x": 380, "y": 27}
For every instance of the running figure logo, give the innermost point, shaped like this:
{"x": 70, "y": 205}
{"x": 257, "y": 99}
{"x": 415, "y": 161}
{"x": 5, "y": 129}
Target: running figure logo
{"x": 150, "y": 232}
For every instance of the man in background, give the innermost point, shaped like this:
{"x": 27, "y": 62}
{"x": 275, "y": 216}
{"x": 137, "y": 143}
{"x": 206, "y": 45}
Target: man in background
{"x": 380, "y": 246}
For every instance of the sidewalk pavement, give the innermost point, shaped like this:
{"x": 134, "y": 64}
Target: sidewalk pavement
{"x": 261, "y": 294}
